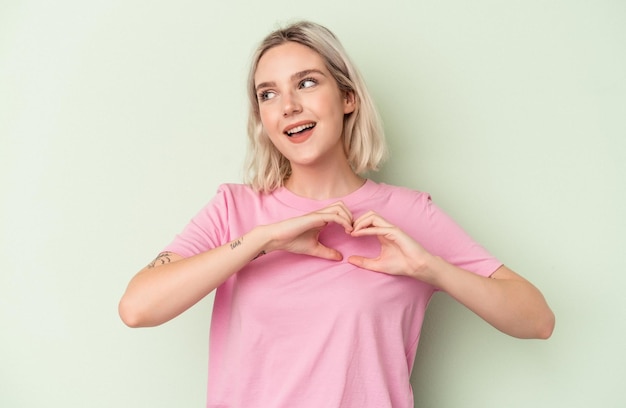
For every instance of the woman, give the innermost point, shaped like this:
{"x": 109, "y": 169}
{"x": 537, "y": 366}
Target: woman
{"x": 322, "y": 276}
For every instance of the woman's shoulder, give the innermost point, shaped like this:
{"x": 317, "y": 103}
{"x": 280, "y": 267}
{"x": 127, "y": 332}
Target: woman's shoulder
{"x": 240, "y": 191}
{"x": 237, "y": 188}
{"x": 402, "y": 192}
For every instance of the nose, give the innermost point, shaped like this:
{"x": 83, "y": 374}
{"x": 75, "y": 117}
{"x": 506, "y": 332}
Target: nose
{"x": 291, "y": 104}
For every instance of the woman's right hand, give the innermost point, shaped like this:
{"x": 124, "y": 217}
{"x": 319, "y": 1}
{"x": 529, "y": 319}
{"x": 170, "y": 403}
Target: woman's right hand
{"x": 300, "y": 235}
{"x": 172, "y": 284}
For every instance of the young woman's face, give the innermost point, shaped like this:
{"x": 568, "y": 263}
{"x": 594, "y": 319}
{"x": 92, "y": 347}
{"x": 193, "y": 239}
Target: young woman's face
{"x": 301, "y": 106}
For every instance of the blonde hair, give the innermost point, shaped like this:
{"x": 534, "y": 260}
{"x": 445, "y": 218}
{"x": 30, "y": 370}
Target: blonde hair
{"x": 363, "y": 135}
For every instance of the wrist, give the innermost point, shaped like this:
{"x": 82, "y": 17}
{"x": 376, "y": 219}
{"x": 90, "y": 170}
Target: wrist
{"x": 430, "y": 270}
{"x": 262, "y": 240}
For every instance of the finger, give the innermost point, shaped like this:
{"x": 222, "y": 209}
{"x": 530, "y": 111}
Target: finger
{"x": 387, "y": 232}
{"x": 343, "y": 206}
{"x": 364, "y": 263}
{"x": 325, "y": 219}
{"x": 339, "y": 214}
{"x": 365, "y": 218}
{"x": 324, "y": 252}
{"x": 370, "y": 219}
{"x": 339, "y": 208}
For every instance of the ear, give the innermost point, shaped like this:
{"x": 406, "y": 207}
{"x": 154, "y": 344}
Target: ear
{"x": 349, "y": 102}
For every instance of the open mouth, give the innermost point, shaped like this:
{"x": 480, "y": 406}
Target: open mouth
{"x": 299, "y": 129}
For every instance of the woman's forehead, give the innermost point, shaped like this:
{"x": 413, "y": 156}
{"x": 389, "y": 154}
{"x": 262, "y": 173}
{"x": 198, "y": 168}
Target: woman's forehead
{"x": 284, "y": 60}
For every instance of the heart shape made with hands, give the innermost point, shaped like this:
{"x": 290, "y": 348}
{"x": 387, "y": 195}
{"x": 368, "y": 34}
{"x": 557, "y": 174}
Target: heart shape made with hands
{"x": 334, "y": 236}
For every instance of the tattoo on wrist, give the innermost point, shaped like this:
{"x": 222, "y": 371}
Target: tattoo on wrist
{"x": 259, "y": 255}
{"x": 236, "y": 243}
{"x": 239, "y": 241}
{"x": 162, "y": 259}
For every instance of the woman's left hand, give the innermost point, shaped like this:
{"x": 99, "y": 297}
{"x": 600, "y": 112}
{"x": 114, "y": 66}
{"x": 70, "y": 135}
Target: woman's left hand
{"x": 507, "y": 301}
{"x": 399, "y": 254}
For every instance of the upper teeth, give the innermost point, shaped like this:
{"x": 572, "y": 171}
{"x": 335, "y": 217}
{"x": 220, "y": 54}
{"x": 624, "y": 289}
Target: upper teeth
{"x": 300, "y": 128}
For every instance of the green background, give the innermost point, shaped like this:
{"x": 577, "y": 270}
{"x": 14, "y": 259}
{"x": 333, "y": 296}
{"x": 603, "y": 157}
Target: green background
{"x": 119, "y": 119}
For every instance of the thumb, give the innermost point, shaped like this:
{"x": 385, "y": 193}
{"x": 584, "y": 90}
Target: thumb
{"x": 365, "y": 263}
{"x": 324, "y": 252}
{"x": 359, "y": 261}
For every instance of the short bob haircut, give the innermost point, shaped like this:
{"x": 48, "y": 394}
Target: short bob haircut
{"x": 363, "y": 135}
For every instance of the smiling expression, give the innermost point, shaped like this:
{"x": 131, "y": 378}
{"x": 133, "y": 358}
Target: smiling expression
{"x": 301, "y": 107}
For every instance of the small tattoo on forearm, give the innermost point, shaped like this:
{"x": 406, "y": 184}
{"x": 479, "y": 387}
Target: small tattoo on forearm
{"x": 161, "y": 259}
{"x": 236, "y": 243}
{"x": 259, "y": 255}
{"x": 239, "y": 241}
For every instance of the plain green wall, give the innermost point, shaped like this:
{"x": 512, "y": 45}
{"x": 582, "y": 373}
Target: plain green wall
{"x": 119, "y": 119}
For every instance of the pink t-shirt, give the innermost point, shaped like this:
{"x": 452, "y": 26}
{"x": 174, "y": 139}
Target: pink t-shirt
{"x": 297, "y": 331}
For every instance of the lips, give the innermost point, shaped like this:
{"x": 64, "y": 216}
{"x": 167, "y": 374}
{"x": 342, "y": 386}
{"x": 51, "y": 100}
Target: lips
{"x": 298, "y": 128}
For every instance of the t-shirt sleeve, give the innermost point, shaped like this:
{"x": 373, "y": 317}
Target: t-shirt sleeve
{"x": 206, "y": 230}
{"x": 443, "y": 237}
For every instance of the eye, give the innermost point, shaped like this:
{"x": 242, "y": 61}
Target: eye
{"x": 307, "y": 83}
{"x": 266, "y": 95}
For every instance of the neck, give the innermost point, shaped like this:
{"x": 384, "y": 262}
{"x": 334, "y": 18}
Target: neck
{"x": 322, "y": 184}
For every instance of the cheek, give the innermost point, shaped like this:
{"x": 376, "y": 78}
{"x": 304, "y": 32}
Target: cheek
{"x": 334, "y": 106}
{"x": 269, "y": 127}
{"x": 266, "y": 118}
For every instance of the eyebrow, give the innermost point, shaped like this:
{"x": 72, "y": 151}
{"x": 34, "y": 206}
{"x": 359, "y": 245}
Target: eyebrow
{"x": 296, "y": 76}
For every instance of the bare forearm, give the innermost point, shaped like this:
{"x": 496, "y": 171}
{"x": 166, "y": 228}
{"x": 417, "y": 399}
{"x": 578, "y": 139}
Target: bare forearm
{"x": 508, "y": 302}
{"x": 164, "y": 290}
